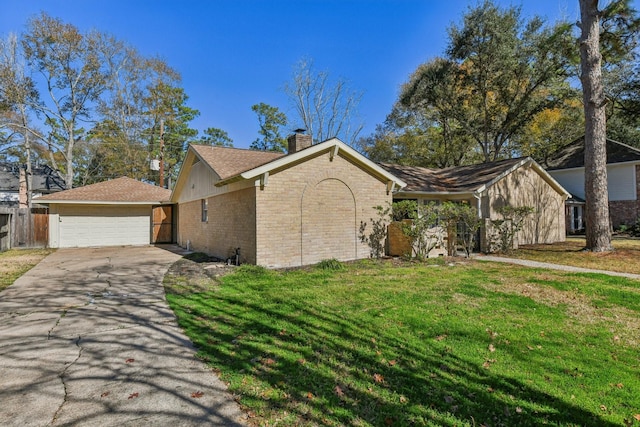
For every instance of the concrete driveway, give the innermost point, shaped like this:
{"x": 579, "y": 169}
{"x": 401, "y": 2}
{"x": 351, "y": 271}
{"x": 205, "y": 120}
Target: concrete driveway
{"x": 86, "y": 338}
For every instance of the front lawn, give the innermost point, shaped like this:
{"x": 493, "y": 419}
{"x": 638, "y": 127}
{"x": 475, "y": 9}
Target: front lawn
{"x": 625, "y": 258}
{"x": 414, "y": 344}
{"x": 15, "y": 262}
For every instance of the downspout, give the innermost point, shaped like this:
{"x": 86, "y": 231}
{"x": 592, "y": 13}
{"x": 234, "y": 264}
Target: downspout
{"x": 478, "y": 198}
{"x": 478, "y": 204}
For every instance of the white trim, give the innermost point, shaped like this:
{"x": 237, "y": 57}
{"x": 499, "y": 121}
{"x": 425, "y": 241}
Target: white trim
{"x": 311, "y": 151}
{"x": 390, "y": 186}
{"x": 264, "y": 179}
{"x": 630, "y": 162}
{"x": 334, "y": 152}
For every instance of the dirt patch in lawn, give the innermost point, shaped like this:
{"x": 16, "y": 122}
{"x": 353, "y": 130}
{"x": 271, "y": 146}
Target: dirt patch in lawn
{"x": 197, "y": 273}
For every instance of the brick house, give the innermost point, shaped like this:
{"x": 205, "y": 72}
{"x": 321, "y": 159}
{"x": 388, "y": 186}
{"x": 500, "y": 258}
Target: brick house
{"x": 279, "y": 210}
{"x": 623, "y": 179}
{"x": 514, "y": 182}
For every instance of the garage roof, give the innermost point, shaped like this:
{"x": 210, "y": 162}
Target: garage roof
{"x": 120, "y": 190}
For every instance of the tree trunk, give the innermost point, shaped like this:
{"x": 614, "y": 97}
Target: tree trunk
{"x": 595, "y": 157}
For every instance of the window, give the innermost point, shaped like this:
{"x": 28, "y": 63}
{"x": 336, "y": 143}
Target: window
{"x": 205, "y": 210}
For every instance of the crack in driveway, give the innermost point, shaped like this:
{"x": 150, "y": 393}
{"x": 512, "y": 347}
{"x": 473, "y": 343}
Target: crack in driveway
{"x": 64, "y": 384}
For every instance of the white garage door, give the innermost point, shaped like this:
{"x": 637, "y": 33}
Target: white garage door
{"x": 82, "y": 226}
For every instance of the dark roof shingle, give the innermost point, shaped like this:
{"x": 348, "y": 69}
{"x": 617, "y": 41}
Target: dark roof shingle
{"x": 572, "y": 155}
{"x": 459, "y": 179}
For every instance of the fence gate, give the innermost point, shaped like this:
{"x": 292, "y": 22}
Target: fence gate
{"x": 5, "y": 232}
{"x": 24, "y": 228}
{"x": 162, "y": 224}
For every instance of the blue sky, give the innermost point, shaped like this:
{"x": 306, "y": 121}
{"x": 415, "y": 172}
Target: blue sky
{"x": 233, "y": 54}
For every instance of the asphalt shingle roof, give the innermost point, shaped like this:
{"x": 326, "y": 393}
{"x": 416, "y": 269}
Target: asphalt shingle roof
{"x": 459, "y": 179}
{"x": 229, "y": 162}
{"x": 572, "y": 155}
{"x": 43, "y": 178}
{"x": 122, "y": 189}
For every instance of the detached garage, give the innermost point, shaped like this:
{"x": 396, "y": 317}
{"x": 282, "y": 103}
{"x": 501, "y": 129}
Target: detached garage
{"x": 121, "y": 211}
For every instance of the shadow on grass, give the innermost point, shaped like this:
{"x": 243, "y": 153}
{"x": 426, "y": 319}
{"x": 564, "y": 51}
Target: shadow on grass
{"x": 324, "y": 367}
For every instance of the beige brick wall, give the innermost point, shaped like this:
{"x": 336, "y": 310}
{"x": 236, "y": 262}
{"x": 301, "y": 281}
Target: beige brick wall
{"x": 524, "y": 187}
{"x": 312, "y": 211}
{"x": 231, "y": 224}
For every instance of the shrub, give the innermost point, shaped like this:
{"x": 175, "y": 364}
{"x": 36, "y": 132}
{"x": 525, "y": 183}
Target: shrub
{"x": 376, "y": 238}
{"x": 330, "y": 264}
{"x": 470, "y": 223}
{"x": 423, "y": 230}
{"x": 508, "y": 227}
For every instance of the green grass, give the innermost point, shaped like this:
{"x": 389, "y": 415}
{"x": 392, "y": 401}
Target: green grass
{"x": 378, "y": 344}
{"x": 15, "y": 262}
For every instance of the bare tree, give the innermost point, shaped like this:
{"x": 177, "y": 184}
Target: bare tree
{"x": 325, "y": 109}
{"x": 598, "y": 231}
{"x": 17, "y": 92}
{"x": 70, "y": 64}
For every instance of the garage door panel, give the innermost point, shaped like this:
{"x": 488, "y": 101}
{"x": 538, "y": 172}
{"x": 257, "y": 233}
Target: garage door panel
{"x": 104, "y": 226}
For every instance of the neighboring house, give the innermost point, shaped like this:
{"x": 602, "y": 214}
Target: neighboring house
{"x": 121, "y": 211}
{"x": 20, "y": 226}
{"x": 279, "y": 210}
{"x": 13, "y": 183}
{"x": 623, "y": 179}
{"x": 488, "y": 186}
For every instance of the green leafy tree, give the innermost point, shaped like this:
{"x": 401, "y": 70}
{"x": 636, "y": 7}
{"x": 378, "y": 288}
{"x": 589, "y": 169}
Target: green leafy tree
{"x": 498, "y": 73}
{"x": 178, "y": 133}
{"x": 551, "y": 129}
{"x": 428, "y": 105}
{"x": 270, "y": 120}
{"x": 217, "y": 137}
{"x": 122, "y": 141}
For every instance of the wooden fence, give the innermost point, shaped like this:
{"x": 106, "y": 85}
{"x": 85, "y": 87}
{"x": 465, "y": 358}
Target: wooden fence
{"x": 24, "y": 228}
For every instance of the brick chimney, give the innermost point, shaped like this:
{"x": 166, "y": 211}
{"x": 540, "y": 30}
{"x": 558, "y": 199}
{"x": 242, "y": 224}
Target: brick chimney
{"x": 299, "y": 141}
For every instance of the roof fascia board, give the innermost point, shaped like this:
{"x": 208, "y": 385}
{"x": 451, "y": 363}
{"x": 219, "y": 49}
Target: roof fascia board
{"x": 551, "y": 180}
{"x": 504, "y": 174}
{"x": 184, "y": 170}
{"x": 630, "y": 162}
